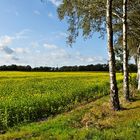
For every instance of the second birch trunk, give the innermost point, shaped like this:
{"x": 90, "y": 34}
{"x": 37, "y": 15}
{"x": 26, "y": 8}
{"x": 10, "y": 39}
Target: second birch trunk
{"x": 138, "y": 67}
{"x": 125, "y": 53}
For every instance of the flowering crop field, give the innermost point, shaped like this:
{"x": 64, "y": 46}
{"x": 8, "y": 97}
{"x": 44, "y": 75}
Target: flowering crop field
{"x": 33, "y": 96}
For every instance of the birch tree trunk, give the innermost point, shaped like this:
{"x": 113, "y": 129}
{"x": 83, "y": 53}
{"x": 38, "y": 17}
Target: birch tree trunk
{"x": 113, "y": 84}
{"x": 125, "y": 53}
{"x": 138, "y": 67}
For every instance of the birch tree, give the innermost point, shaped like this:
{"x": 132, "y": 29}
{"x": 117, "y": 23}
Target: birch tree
{"x": 121, "y": 21}
{"x": 92, "y": 16}
{"x": 130, "y": 38}
{"x": 113, "y": 84}
{"x": 134, "y": 33}
{"x": 125, "y": 53}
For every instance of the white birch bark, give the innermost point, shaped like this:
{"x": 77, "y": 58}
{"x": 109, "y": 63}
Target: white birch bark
{"x": 138, "y": 67}
{"x": 113, "y": 84}
{"x": 125, "y": 53}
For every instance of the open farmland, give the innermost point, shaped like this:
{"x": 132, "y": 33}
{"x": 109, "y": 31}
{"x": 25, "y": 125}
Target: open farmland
{"x": 27, "y": 97}
{"x": 30, "y": 100}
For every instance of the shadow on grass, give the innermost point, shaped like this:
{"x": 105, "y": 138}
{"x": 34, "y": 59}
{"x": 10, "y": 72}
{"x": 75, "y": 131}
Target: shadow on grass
{"x": 131, "y": 101}
{"x": 134, "y": 99}
{"x": 131, "y": 108}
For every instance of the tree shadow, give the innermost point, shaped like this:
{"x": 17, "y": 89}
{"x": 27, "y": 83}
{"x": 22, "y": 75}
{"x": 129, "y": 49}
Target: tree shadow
{"x": 134, "y": 99}
{"x": 131, "y": 108}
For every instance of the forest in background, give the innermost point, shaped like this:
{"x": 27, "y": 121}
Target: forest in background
{"x": 91, "y": 67}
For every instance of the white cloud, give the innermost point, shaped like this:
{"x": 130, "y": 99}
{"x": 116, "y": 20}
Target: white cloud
{"x": 47, "y": 54}
{"x": 21, "y": 50}
{"x": 50, "y": 46}
{"x": 36, "y": 12}
{"x": 34, "y": 44}
{"x": 15, "y": 58}
{"x": 55, "y": 55}
{"x": 55, "y": 52}
{"x": 63, "y": 34}
{"x": 50, "y": 15}
{"x": 5, "y": 41}
{"x": 59, "y": 35}
{"x": 42, "y": 53}
{"x": 89, "y": 59}
{"x": 56, "y": 2}
{"x": 59, "y": 55}
{"x": 38, "y": 51}
{"x": 22, "y": 34}
{"x": 11, "y": 54}
{"x": 8, "y": 58}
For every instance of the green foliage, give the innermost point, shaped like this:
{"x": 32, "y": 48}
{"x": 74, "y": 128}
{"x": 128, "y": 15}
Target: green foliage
{"x": 133, "y": 21}
{"x": 87, "y": 16}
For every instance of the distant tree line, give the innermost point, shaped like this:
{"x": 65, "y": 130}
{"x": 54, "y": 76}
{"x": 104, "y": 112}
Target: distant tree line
{"x": 96, "y": 67}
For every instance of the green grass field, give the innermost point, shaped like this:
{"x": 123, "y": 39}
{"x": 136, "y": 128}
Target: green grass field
{"x": 42, "y": 105}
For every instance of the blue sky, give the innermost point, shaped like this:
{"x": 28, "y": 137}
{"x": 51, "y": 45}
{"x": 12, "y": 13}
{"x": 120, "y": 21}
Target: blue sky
{"x": 32, "y": 34}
